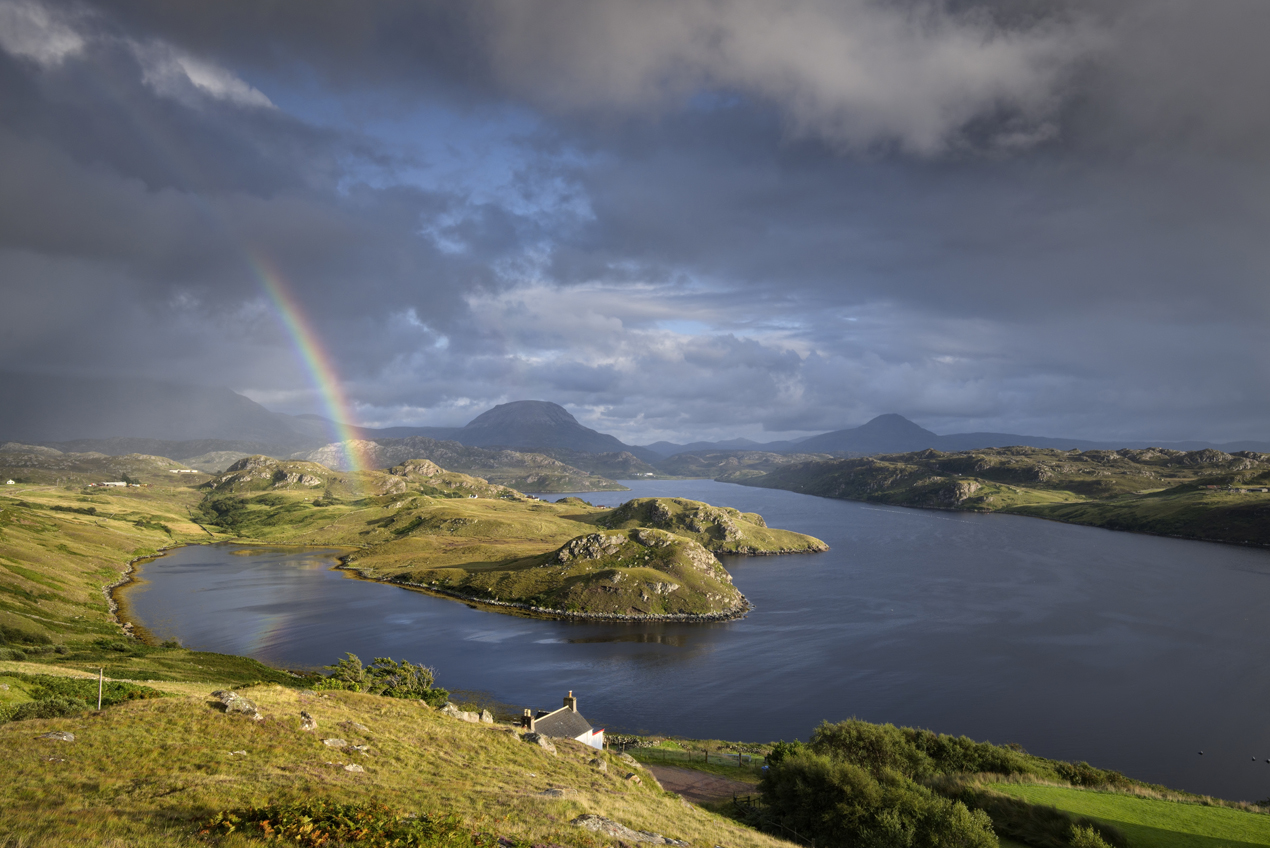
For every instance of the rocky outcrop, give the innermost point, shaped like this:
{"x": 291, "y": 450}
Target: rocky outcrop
{"x": 307, "y": 722}
{"x": 541, "y": 741}
{"x": 237, "y": 704}
{"x": 482, "y": 717}
{"x": 614, "y": 830}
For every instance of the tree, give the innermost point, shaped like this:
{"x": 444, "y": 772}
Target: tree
{"x": 386, "y": 677}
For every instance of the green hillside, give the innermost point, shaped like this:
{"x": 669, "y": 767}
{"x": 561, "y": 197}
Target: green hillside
{"x": 1208, "y": 494}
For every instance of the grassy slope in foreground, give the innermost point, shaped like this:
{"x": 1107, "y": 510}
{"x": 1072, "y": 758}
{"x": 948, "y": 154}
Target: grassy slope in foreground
{"x": 1150, "y": 821}
{"x": 145, "y": 772}
{"x": 1151, "y": 491}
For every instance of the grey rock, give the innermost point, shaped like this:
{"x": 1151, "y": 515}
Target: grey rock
{"x": 354, "y": 767}
{"x": 558, "y": 793}
{"x": 235, "y": 703}
{"x": 598, "y": 764}
{"x": 462, "y": 715}
{"x": 633, "y": 778}
{"x": 59, "y": 735}
{"x": 335, "y": 743}
{"x": 487, "y": 717}
{"x": 629, "y": 760}
{"x": 608, "y": 827}
{"x": 353, "y": 725}
{"x": 541, "y": 741}
{"x": 307, "y": 722}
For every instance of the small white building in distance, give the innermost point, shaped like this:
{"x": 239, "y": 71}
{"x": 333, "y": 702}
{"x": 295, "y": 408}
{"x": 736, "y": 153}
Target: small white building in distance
{"x": 9, "y": 483}
{"x": 564, "y": 723}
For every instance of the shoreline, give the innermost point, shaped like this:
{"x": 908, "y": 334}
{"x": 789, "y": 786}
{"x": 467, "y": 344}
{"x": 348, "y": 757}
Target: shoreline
{"x": 1008, "y": 511}
{"x": 529, "y": 611}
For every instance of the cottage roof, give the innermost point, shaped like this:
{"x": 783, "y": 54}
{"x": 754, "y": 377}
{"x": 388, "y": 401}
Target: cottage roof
{"x": 564, "y": 723}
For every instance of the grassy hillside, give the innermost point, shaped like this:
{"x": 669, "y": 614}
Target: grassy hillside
{"x": 523, "y": 471}
{"x": 1154, "y": 822}
{"x": 149, "y": 772}
{"x": 722, "y": 530}
{"x": 732, "y": 465}
{"x": 1208, "y": 494}
{"x": 413, "y": 524}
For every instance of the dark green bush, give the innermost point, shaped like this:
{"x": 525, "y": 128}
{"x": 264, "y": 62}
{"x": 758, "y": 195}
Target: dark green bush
{"x": 19, "y": 636}
{"x": 835, "y": 802}
{"x": 385, "y": 677}
{"x": 917, "y": 753}
{"x": 48, "y": 708}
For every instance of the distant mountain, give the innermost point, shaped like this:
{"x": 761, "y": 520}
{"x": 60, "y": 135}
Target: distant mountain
{"x": 535, "y": 424}
{"x": 43, "y": 409}
{"x": 524, "y": 471}
{"x": 894, "y": 433}
{"x": 668, "y": 449}
{"x": 885, "y": 434}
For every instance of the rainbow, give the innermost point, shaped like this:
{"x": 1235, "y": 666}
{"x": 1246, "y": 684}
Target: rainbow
{"x": 314, "y": 357}
{"x": 316, "y": 361}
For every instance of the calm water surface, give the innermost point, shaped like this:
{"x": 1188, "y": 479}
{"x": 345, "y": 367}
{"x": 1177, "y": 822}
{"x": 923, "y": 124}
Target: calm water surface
{"x": 1130, "y": 652}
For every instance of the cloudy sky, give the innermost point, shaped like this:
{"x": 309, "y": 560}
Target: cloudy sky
{"x": 678, "y": 218}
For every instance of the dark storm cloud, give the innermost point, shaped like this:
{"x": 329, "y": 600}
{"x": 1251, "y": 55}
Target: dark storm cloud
{"x": 695, "y": 217}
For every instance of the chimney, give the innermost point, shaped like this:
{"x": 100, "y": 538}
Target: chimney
{"x": 570, "y": 701}
{"x": 528, "y": 720}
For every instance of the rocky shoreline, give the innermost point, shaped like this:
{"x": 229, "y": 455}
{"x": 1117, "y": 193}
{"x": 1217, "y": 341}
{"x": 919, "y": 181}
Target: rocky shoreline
{"x": 126, "y": 577}
{"x": 561, "y": 615}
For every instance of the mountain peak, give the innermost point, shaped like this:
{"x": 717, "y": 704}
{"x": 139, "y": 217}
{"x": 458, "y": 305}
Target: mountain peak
{"x": 892, "y": 424}
{"x": 523, "y": 413}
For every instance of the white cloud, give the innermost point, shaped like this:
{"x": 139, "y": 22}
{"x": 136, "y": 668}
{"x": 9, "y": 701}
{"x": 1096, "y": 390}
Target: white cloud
{"x": 852, "y": 72}
{"x": 29, "y": 31}
{"x": 173, "y": 73}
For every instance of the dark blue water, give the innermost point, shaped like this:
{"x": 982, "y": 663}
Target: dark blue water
{"x": 1131, "y": 652}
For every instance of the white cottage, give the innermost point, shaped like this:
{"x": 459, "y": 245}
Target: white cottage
{"x": 564, "y": 723}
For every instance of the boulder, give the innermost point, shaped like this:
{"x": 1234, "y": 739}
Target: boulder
{"x": 462, "y": 715}
{"x": 558, "y": 793}
{"x": 633, "y": 778}
{"x": 307, "y": 722}
{"x": 335, "y": 743}
{"x": 610, "y": 828}
{"x": 487, "y": 717}
{"x": 598, "y": 764}
{"x": 541, "y": 741}
{"x": 629, "y": 760}
{"x": 59, "y": 735}
{"x": 235, "y": 703}
{"x": 353, "y": 725}
{"x": 354, "y": 767}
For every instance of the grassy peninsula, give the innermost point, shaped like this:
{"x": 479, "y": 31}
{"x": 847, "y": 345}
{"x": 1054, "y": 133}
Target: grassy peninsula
{"x": 1207, "y": 495}
{"x": 414, "y": 524}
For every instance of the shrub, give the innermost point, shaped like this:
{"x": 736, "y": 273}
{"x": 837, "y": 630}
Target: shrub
{"x": 385, "y": 677}
{"x": 19, "y": 636}
{"x": 832, "y": 801}
{"x": 319, "y": 823}
{"x": 1086, "y": 837}
{"x": 14, "y": 654}
{"x": 48, "y": 708}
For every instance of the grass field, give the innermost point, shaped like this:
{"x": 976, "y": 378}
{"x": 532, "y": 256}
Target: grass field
{"x": 144, "y": 773}
{"x": 1153, "y": 823}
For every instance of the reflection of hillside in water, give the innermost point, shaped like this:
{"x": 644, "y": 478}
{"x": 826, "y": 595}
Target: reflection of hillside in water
{"x": 678, "y": 640}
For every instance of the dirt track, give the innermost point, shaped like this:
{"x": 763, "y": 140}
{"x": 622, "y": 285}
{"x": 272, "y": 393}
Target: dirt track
{"x": 697, "y": 786}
